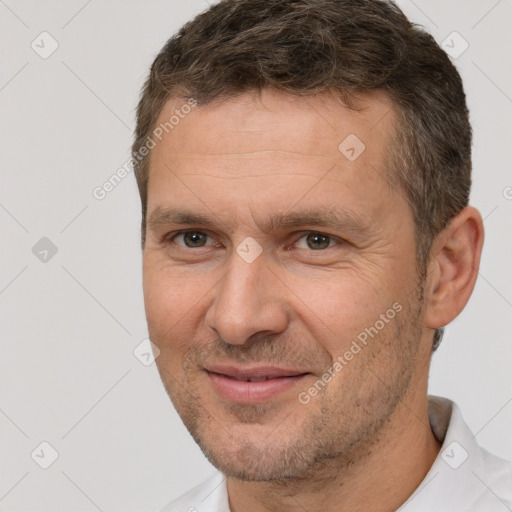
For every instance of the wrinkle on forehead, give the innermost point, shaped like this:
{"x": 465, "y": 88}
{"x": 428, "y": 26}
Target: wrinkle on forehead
{"x": 261, "y": 146}
{"x": 270, "y": 151}
{"x": 280, "y": 122}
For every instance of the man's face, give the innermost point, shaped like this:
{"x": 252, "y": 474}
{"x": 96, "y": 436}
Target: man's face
{"x": 270, "y": 251}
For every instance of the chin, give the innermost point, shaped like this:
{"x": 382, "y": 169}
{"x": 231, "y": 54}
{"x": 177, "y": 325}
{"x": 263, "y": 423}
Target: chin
{"x": 256, "y": 453}
{"x": 251, "y": 464}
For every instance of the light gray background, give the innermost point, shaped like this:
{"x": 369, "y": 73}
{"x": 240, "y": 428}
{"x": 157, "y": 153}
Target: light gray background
{"x": 69, "y": 326}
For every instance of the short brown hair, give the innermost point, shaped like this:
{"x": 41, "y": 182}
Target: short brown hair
{"x": 307, "y": 47}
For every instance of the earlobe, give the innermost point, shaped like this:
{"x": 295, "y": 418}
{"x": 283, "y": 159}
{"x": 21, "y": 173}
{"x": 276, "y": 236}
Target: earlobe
{"x": 453, "y": 268}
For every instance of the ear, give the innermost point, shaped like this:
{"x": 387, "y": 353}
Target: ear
{"x": 453, "y": 267}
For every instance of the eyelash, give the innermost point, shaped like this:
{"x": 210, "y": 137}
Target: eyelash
{"x": 169, "y": 238}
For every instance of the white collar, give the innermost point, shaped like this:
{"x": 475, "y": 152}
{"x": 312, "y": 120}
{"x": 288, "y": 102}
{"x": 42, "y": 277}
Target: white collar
{"x": 464, "y": 477}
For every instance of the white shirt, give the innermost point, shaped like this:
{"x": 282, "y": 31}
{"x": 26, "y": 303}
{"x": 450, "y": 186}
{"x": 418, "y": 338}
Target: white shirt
{"x": 463, "y": 478}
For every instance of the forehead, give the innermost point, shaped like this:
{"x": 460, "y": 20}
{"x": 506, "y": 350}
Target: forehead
{"x": 276, "y": 121}
{"x": 272, "y": 150}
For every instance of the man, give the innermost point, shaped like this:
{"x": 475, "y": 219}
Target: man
{"x": 304, "y": 169}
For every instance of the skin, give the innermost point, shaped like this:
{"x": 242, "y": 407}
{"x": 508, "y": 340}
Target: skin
{"x": 363, "y": 442}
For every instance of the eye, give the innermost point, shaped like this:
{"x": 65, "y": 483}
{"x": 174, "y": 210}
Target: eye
{"x": 191, "y": 239}
{"x": 315, "y": 241}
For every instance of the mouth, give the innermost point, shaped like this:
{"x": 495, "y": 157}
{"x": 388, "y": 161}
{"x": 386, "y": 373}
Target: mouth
{"x": 251, "y": 385}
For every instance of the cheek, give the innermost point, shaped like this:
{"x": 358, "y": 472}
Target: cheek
{"x": 172, "y": 305}
{"x": 341, "y": 307}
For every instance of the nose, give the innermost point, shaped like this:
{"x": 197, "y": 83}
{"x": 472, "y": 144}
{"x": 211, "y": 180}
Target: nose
{"x": 249, "y": 300}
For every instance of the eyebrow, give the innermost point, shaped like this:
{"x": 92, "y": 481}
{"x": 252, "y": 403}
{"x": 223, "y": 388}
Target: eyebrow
{"x": 346, "y": 220}
{"x": 166, "y": 216}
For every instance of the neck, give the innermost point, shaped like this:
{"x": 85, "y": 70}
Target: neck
{"x": 380, "y": 480}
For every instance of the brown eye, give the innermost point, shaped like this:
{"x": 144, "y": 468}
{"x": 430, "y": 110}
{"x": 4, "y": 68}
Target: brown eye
{"x": 315, "y": 241}
{"x": 192, "y": 239}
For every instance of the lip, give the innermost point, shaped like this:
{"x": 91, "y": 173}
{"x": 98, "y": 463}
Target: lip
{"x": 231, "y": 382}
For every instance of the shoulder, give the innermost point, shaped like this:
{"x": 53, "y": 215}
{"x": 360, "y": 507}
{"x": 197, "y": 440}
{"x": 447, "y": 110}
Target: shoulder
{"x": 495, "y": 476}
{"x": 464, "y": 476}
{"x": 209, "y": 496}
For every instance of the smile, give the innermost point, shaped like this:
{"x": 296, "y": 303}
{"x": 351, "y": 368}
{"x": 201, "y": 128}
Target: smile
{"x": 252, "y": 385}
